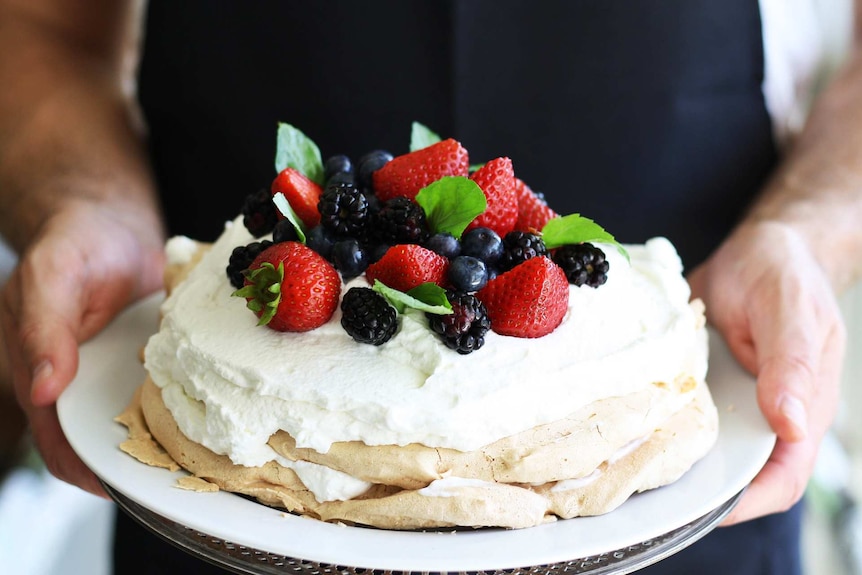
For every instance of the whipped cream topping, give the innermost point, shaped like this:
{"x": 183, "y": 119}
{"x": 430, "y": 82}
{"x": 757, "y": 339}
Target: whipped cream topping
{"x": 323, "y": 387}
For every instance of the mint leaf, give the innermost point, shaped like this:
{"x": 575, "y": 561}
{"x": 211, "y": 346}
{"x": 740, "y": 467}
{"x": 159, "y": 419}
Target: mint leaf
{"x": 576, "y": 229}
{"x": 296, "y": 150}
{"x": 433, "y": 296}
{"x": 286, "y": 210}
{"x": 451, "y": 203}
{"x": 421, "y": 137}
{"x": 426, "y": 297}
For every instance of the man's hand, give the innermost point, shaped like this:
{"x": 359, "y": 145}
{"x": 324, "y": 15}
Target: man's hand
{"x": 769, "y": 297}
{"x": 87, "y": 264}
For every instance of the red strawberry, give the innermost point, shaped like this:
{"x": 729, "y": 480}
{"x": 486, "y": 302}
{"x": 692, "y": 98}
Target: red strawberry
{"x": 302, "y": 194}
{"x": 406, "y": 175}
{"x": 533, "y": 212}
{"x": 529, "y": 300}
{"x": 497, "y": 180}
{"x": 403, "y": 267}
{"x": 290, "y": 287}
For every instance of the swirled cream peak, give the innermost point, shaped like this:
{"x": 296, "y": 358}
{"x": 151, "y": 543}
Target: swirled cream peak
{"x": 322, "y": 387}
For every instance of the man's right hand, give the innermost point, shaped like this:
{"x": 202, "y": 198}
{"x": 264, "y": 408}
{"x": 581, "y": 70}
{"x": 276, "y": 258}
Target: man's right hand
{"x": 86, "y": 266}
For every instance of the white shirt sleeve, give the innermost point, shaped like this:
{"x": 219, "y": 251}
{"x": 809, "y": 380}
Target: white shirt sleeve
{"x": 803, "y": 40}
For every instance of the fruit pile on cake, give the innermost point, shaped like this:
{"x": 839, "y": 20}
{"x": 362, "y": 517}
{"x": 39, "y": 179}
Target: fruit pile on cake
{"x": 415, "y": 342}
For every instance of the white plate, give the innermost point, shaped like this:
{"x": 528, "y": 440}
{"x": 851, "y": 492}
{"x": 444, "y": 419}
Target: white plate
{"x": 110, "y": 371}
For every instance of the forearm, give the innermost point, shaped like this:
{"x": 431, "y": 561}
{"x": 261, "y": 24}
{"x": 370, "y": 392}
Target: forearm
{"x": 67, "y": 130}
{"x": 818, "y": 189}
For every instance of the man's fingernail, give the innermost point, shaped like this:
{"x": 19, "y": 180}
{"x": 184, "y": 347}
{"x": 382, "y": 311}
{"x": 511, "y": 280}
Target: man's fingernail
{"x": 41, "y": 375}
{"x": 794, "y": 410}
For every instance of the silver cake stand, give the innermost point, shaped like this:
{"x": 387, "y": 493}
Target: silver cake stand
{"x": 241, "y": 559}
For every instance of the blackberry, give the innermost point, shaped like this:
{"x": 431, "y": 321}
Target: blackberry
{"x": 583, "y": 264}
{"x": 241, "y": 258}
{"x": 343, "y": 209}
{"x": 259, "y": 214}
{"x": 367, "y": 316}
{"x": 464, "y": 329}
{"x": 518, "y": 247}
{"x": 400, "y": 221}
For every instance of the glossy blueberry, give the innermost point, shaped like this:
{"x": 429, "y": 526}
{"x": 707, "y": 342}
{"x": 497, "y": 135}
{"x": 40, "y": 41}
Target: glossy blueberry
{"x": 320, "y": 240}
{"x": 468, "y": 274}
{"x": 444, "y": 244}
{"x": 482, "y": 243}
{"x": 284, "y": 232}
{"x": 368, "y": 164}
{"x": 349, "y": 257}
{"x": 492, "y": 272}
{"x": 337, "y": 164}
{"x": 341, "y": 178}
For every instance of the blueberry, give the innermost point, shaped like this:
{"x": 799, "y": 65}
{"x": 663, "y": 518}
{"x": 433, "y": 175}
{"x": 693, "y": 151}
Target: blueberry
{"x": 376, "y": 252}
{"x": 468, "y": 274}
{"x": 370, "y": 163}
{"x": 341, "y": 178}
{"x": 320, "y": 240}
{"x": 337, "y": 164}
{"x": 482, "y": 243}
{"x": 444, "y": 244}
{"x": 284, "y": 232}
{"x": 349, "y": 257}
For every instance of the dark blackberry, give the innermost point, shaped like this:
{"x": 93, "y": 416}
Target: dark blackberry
{"x": 284, "y": 231}
{"x": 583, "y": 264}
{"x": 259, "y": 214}
{"x": 367, "y": 316}
{"x": 343, "y": 209}
{"x": 400, "y": 221}
{"x": 464, "y": 329}
{"x": 518, "y": 247}
{"x": 241, "y": 258}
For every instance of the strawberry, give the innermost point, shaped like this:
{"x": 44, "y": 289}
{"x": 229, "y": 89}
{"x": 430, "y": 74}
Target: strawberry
{"x": 405, "y": 266}
{"x": 302, "y": 194}
{"x": 290, "y": 287}
{"x": 533, "y": 211}
{"x": 407, "y": 174}
{"x": 529, "y": 300}
{"x": 497, "y": 180}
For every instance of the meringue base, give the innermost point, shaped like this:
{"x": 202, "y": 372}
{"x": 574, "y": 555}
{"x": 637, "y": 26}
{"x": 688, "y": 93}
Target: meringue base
{"x": 586, "y": 464}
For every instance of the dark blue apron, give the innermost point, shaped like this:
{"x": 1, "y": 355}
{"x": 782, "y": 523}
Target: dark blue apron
{"x": 645, "y": 115}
